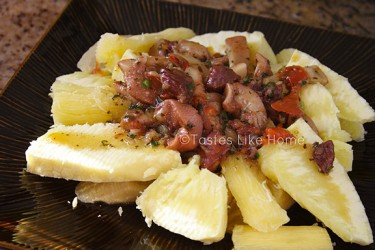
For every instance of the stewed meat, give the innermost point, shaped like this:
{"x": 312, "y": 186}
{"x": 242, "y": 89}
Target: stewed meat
{"x": 245, "y": 103}
{"x": 176, "y": 85}
{"x": 219, "y": 76}
{"x": 182, "y": 120}
{"x": 237, "y": 51}
{"x": 198, "y": 103}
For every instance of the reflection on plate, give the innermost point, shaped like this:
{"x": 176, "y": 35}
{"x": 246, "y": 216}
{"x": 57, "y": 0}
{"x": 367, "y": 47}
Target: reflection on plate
{"x": 36, "y": 212}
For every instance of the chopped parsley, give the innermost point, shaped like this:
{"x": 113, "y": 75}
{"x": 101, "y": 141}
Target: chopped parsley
{"x": 129, "y": 116}
{"x": 106, "y": 143}
{"x": 131, "y": 136}
{"x": 137, "y": 106}
{"x": 224, "y": 117}
{"x": 200, "y": 107}
{"x": 246, "y": 80}
{"x": 116, "y": 96}
{"x": 146, "y": 84}
{"x": 154, "y": 143}
{"x": 256, "y": 156}
{"x": 191, "y": 87}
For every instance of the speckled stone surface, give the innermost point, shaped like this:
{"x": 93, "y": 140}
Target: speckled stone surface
{"x": 23, "y": 22}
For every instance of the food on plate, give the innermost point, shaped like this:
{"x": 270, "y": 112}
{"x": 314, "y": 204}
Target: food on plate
{"x": 234, "y": 214}
{"x": 256, "y": 42}
{"x": 286, "y": 237}
{"x": 210, "y": 134}
{"x": 343, "y": 151}
{"x": 248, "y": 185}
{"x": 343, "y": 204}
{"x": 97, "y": 153}
{"x": 284, "y": 200}
{"x": 355, "y": 129}
{"x": 80, "y": 98}
{"x": 344, "y": 154}
{"x": 111, "y": 47}
{"x": 318, "y": 104}
{"x": 110, "y": 192}
{"x": 339, "y": 87}
{"x": 188, "y": 201}
{"x": 331, "y": 198}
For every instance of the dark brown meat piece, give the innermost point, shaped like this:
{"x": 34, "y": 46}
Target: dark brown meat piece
{"x": 213, "y": 150}
{"x": 176, "y": 84}
{"x": 220, "y": 75}
{"x": 247, "y": 137}
{"x": 246, "y": 134}
{"x": 324, "y": 155}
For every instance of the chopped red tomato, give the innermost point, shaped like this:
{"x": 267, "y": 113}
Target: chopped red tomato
{"x": 289, "y": 104}
{"x": 210, "y": 111}
{"x": 273, "y": 135}
{"x": 295, "y": 77}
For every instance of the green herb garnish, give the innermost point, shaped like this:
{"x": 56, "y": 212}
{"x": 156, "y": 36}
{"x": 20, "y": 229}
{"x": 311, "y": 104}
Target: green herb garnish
{"x": 224, "y": 116}
{"x": 191, "y": 87}
{"x": 116, "y": 96}
{"x": 246, "y": 80}
{"x": 256, "y": 156}
{"x": 106, "y": 143}
{"x": 137, "y": 106}
{"x": 131, "y": 136}
{"x": 146, "y": 84}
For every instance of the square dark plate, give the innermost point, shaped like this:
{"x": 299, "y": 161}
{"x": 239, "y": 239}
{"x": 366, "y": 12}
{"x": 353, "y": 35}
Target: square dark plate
{"x": 34, "y": 211}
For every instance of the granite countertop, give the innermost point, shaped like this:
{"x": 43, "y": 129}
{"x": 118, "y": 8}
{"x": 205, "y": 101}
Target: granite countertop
{"x": 24, "y": 22}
